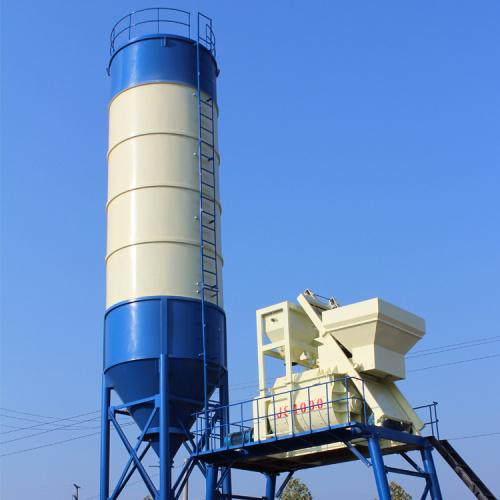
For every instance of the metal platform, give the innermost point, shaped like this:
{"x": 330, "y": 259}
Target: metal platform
{"x": 351, "y": 438}
{"x": 271, "y": 455}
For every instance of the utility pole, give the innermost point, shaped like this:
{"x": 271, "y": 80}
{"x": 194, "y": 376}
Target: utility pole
{"x": 185, "y": 490}
{"x": 77, "y": 488}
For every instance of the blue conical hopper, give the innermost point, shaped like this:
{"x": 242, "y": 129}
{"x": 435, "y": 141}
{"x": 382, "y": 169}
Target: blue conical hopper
{"x": 134, "y": 332}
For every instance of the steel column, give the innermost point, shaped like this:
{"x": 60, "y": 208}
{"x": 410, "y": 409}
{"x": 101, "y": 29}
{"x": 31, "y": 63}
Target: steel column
{"x": 379, "y": 468}
{"x": 224, "y": 399}
{"x": 211, "y": 482}
{"x": 431, "y": 470}
{"x": 165, "y": 470}
{"x": 105, "y": 435}
{"x": 270, "y": 486}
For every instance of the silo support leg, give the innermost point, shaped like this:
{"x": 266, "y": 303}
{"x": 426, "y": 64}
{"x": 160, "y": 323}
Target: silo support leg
{"x": 105, "y": 433}
{"x": 165, "y": 470}
{"x": 431, "y": 470}
{"x": 211, "y": 482}
{"x": 224, "y": 390}
{"x": 270, "y": 486}
{"x": 379, "y": 468}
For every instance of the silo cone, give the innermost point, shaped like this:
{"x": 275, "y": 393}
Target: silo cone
{"x": 153, "y": 251}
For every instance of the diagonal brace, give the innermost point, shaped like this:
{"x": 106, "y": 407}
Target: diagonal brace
{"x": 357, "y": 453}
{"x": 135, "y": 458}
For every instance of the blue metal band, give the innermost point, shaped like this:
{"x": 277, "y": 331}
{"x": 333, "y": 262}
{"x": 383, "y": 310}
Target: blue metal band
{"x": 133, "y": 330}
{"x": 162, "y": 58}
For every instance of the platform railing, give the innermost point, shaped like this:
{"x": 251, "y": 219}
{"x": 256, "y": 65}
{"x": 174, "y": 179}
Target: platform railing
{"x": 304, "y": 410}
{"x": 147, "y": 22}
{"x": 430, "y": 412}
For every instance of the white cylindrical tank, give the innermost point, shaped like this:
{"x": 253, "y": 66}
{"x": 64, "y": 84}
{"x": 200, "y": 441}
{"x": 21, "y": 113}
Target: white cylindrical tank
{"x": 324, "y": 404}
{"x": 154, "y": 194}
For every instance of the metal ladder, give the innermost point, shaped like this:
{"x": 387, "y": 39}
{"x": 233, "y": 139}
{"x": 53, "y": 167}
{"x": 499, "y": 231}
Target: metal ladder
{"x": 463, "y": 471}
{"x": 209, "y": 284}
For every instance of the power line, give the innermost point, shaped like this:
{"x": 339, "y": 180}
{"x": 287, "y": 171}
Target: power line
{"x": 439, "y": 350}
{"x": 53, "y": 422}
{"x": 49, "y": 430}
{"x": 23, "y": 418}
{"x": 459, "y": 344}
{"x": 32, "y": 414}
{"x": 49, "y": 444}
{"x": 476, "y": 436}
{"x": 59, "y": 442}
{"x": 454, "y": 363}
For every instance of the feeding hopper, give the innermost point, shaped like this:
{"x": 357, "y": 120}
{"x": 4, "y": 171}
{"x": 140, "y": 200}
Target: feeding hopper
{"x": 377, "y": 334}
{"x": 287, "y": 326}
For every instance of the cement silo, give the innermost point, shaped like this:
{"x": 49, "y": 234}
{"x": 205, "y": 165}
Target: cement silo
{"x": 165, "y": 334}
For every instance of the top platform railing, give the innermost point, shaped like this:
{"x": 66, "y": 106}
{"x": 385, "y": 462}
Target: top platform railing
{"x": 246, "y": 424}
{"x": 160, "y": 20}
{"x": 429, "y": 413}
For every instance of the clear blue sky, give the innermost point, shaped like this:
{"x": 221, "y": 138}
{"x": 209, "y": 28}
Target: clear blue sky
{"x": 360, "y": 158}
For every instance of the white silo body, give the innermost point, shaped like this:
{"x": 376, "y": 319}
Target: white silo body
{"x": 154, "y": 194}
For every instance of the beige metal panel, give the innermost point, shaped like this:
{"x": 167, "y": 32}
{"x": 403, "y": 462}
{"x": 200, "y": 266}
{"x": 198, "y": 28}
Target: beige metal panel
{"x": 153, "y": 160}
{"x": 153, "y": 194}
{"x": 361, "y": 317}
{"x": 154, "y": 214}
{"x": 170, "y": 269}
{"x": 377, "y": 333}
{"x": 156, "y": 108}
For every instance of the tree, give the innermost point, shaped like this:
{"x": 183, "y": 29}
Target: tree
{"x": 296, "y": 490}
{"x": 398, "y": 493}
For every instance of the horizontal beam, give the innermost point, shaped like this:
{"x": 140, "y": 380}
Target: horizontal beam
{"x": 407, "y": 472}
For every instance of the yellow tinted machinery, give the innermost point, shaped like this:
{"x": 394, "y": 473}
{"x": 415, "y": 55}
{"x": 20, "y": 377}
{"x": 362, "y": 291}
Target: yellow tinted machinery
{"x": 336, "y": 401}
{"x": 340, "y": 366}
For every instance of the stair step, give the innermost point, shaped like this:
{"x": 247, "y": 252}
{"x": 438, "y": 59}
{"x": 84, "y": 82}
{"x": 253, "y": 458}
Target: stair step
{"x": 458, "y": 464}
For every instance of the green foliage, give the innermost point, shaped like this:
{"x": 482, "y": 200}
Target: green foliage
{"x": 296, "y": 490}
{"x": 398, "y": 493}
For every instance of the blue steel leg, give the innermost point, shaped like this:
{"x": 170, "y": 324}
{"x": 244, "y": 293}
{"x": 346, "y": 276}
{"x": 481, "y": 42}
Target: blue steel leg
{"x": 431, "y": 470}
{"x": 165, "y": 469}
{"x": 211, "y": 482}
{"x": 105, "y": 433}
{"x": 379, "y": 468}
{"x": 226, "y": 485}
{"x": 270, "y": 486}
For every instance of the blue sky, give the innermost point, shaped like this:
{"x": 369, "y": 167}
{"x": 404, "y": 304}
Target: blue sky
{"x": 359, "y": 158}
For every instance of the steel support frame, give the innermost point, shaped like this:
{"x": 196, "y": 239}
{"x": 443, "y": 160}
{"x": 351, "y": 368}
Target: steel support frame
{"x": 430, "y": 469}
{"x": 372, "y": 435}
{"x": 380, "y": 470}
{"x": 108, "y": 417}
{"x": 270, "y": 486}
{"x": 134, "y": 462}
{"x": 162, "y": 405}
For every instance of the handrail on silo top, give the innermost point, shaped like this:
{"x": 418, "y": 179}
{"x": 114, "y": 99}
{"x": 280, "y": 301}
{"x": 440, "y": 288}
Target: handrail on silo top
{"x": 208, "y": 37}
{"x": 139, "y": 23}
